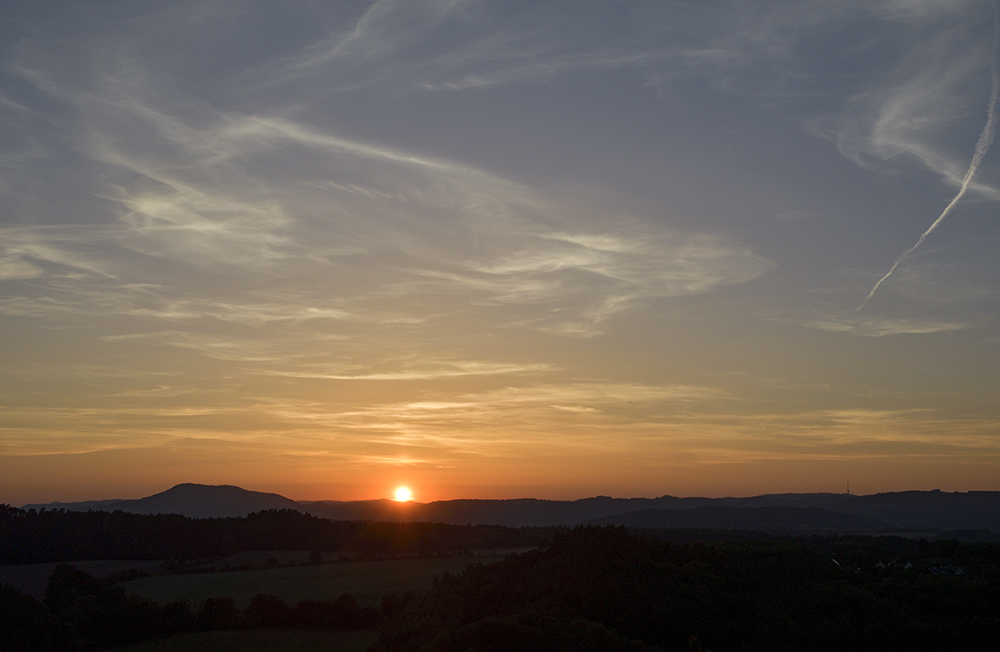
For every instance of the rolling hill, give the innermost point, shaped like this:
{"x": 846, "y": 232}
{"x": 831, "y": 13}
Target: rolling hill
{"x": 908, "y": 511}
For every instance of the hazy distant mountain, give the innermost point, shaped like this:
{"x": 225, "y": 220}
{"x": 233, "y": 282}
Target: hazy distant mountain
{"x": 194, "y": 500}
{"x": 930, "y": 511}
{"x": 938, "y": 510}
{"x": 514, "y": 512}
{"x": 934, "y": 510}
{"x": 908, "y": 510}
{"x": 773, "y": 519}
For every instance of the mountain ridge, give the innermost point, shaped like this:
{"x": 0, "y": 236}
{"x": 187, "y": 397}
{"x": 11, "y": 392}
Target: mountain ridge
{"x": 771, "y": 518}
{"x": 899, "y": 511}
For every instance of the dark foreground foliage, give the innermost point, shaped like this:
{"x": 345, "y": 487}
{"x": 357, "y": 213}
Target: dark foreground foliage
{"x": 605, "y": 589}
{"x": 29, "y": 536}
{"x": 595, "y": 589}
{"x": 81, "y": 613}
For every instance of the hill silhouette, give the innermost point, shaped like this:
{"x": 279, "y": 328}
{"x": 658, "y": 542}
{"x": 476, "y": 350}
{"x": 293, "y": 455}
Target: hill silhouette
{"x": 772, "y": 519}
{"x": 913, "y": 511}
{"x": 192, "y": 500}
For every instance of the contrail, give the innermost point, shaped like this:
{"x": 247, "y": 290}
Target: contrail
{"x": 982, "y": 146}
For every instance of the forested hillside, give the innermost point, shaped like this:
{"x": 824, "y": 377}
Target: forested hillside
{"x": 605, "y": 589}
{"x": 29, "y": 536}
{"x": 590, "y": 588}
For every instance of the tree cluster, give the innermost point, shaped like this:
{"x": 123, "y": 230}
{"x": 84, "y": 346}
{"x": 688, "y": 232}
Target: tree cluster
{"x": 81, "y": 614}
{"x": 30, "y": 536}
{"x": 607, "y": 589}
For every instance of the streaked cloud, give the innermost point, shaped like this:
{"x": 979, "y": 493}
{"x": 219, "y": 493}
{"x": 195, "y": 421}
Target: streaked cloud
{"x": 491, "y": 240}
{"x": 885, "y": 326}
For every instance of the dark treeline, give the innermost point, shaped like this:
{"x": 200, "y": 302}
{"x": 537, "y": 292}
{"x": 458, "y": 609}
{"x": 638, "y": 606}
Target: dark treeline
{"x": 82, "y": 614}
{"x": 29, "y": 536}
{"x": 593, "y": 588}
{"x": 606, "y": 589}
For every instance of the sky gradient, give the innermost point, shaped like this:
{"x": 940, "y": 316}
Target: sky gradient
{"x": 498, "y": 249}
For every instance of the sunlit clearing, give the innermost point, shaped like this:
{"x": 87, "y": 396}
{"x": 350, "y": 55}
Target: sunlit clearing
{"x": 403, "y": 494}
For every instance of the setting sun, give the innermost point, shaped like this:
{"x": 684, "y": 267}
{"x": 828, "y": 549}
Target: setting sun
{"x": 403, "y": 494}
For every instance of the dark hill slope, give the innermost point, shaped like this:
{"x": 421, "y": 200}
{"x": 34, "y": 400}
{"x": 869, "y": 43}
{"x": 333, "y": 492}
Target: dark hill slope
{"x": 512, "y": 513}
{"x": 928, "y": 511}
{"x": 776, "y": 520}
{"x": 206, "y": 501}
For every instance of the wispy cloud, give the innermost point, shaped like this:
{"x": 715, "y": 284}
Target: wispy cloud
{"x": 186, "y": 201}
{"x": 436, "y": 233}
{"x": 441, "y": 369}
{"x": 874, "y": 326}
{"x": 982, "y": 147}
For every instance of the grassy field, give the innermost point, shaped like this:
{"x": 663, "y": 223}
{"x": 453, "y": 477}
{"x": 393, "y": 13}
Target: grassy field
{"x": 366, "y": 581}
{"x": 33, "y": 578}
{"x": 260, "y": 641}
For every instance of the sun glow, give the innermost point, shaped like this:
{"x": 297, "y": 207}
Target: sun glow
{"x": 403, "y": 494}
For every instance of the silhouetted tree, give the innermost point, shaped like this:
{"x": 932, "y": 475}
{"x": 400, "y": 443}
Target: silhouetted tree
{"x": 26, "y": 625}
{"x": 218, "y": 613}
{"x": 604, "y": 588}
{"x": 268, "y": 611}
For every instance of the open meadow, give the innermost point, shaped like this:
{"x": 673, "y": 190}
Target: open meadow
{"x": 367, "y": 581}
{"x": 31, "y": 579}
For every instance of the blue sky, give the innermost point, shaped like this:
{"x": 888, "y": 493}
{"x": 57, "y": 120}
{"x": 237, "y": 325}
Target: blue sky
{"x": 497, "y": 249}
